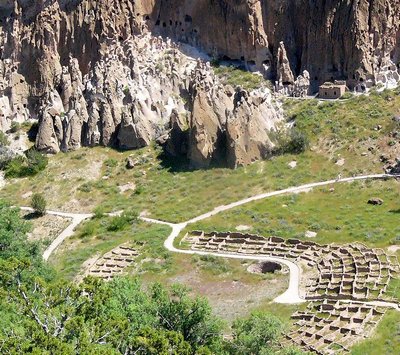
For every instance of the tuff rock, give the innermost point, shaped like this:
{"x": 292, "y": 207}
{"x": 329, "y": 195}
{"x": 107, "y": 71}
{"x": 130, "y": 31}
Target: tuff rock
{"x": 97, "y": 72}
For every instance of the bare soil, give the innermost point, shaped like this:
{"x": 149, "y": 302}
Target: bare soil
{"x": 231, "y": 299}
{"x": 46, "y": 228}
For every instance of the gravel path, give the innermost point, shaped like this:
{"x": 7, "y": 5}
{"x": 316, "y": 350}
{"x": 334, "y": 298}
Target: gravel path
{"x": 76, "y": 220}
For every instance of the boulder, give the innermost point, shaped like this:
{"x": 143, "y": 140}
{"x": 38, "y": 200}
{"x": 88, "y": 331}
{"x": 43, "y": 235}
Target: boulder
{"x": 375, "y": 201}
{"x": 130, "y": 163}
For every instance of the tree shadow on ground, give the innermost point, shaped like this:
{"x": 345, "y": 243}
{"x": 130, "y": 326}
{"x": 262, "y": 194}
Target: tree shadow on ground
{"x": 31, "y": 216}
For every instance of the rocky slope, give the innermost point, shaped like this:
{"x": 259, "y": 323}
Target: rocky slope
{"x": 94, "y": 72}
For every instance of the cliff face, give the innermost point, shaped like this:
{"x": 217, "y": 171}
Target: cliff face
{"x": 94, "y": 72}
{"x": 333, "y": 39}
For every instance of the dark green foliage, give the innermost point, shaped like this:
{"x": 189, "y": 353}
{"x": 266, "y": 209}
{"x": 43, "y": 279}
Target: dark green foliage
{"x": 111, "y": 163}
{"x": 13, "y": 229}
{"x": 15, "y": 127}
{"x": 190, "y": 317}
{"x": 86, "y": 187}
{"x": 256, "y": 335}
{"x": 98, "y": 212}
{"x": 40, "y": 315}
{"x": 118, "y": 223}
{"x": 115, "y": 318}
{"x": 29, "y": 165}
{"x": 235, "y": 77}
{"x": 294, "y": 142}
{"x": 151, "y": 341}
{"x": 38, "y": 203}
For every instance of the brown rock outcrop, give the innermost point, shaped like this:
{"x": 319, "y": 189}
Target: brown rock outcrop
{"x": 227, "y": 127}
{"x": 94, "y": 72}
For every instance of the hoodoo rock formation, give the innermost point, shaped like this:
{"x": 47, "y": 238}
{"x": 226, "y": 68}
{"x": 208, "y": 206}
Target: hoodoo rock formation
{"x": 105, "y": 72}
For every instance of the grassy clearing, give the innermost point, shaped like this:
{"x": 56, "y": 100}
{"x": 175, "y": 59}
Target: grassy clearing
{"x": 361, "y": 125}
{"x": 98, "y": 236}
{"x": 83, "y": 180}
{"x": 386, "y": 339}
{"x": 340, "y": 216}
{"x": 231, "y": 75}
{"x": 223, "y": 282}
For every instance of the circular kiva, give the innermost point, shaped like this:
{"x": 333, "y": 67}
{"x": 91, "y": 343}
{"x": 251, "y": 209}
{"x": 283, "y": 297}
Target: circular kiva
{"x": 264, "y": 267}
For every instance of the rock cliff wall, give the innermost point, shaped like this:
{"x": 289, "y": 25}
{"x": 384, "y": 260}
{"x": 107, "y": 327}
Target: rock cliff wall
{"x": 333, "y": 39}
{"x": 95, "y": 72}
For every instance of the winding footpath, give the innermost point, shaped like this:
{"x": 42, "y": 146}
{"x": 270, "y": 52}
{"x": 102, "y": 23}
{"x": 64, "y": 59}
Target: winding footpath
{"x": 76, "y": 220}
{"x": 290, "y": 296}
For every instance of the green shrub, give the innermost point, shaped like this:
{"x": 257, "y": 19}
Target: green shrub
{"x": 29, "y": 165}
{"x": 347, "y": 95}
{"x": 298, "y": 142}
{"x": 16, "y": 168}
{"x": 119, "y": 223}
{"x": 215, "y": 62}
{"x": 86, "y": 187}
{"x": 293, "y": 142}
{"x": 98, "y": 212}
{"x": 15, "y": 127}
{"x": 257, "y": 334}
{"x": 6, "y": 155}
{"x": 213, "y": 264}
{"x": 36, "y": 161}
{"x": 4, "y": 142}
{"x": 38, "y": 203}
{"x": 239, "y": 77}
{"x": 88, "y": 230}
{"x": 111, "y": 163}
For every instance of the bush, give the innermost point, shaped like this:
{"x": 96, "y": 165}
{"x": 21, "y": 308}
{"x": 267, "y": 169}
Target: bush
{"x": 294, "y": 142}
{"x": 39, "y": 203}
{"x": 6, "y": 155}
{"x": 98, "y": 212}
{"x": 86, "y": 187}
{"x": 240, "y": 77}
{"x": 29, "y": 165}
{"x": 347, "y": 95}
{"x": 258, "y": 334}
{"x": 111, "y": 163}
{"x": 119, "y": 223}
{"x": 4, "y": 142}
{"x": 15, "y": 127}
{"x": 88, "y": 230}
{"x": 36, "y": 161}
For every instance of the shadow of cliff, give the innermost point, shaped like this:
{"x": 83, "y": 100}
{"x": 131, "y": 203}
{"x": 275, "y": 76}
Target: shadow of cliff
{"x": 174, "y": 164}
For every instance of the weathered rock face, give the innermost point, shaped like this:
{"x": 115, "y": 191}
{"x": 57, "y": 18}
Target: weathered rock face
{"x": 225, "y": 126}
{"x": 95, "y": 76}
{"x": 333, "y": 39}
{"x": 94, "y": 73}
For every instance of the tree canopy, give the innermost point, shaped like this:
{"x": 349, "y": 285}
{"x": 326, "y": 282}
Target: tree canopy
{"x": 40, "y": 314}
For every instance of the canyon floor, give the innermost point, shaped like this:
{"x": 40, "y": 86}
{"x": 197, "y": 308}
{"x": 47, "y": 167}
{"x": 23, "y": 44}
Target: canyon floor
{"x": 348, "y": 138}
